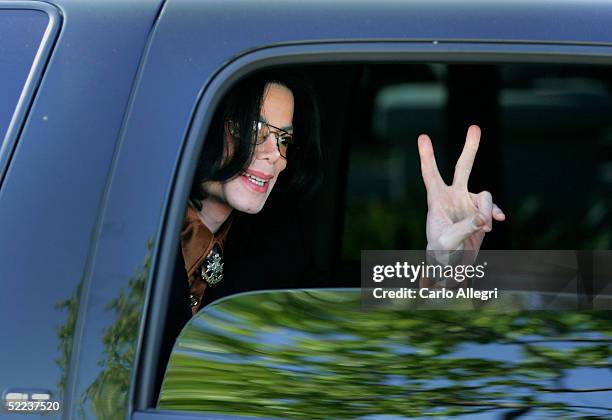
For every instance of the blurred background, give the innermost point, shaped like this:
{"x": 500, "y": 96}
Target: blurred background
{"x": 545, "y": 154}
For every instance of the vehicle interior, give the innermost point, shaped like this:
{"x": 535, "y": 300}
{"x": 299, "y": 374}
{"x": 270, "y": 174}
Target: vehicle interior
{"x": 545, "y": 155}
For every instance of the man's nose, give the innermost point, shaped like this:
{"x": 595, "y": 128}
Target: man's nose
{"x": 268, "y": 150}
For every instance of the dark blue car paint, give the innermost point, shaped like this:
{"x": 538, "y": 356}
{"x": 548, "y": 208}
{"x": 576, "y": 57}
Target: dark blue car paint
{"x": 30, "y": 29}
{"x": 89, "y": 185}
{"x": 54, "y": 185}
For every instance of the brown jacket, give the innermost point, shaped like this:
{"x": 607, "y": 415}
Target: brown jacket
{"x": 196, "y": 243}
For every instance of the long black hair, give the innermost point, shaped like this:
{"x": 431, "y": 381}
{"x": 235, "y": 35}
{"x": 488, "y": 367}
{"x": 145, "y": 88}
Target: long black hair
{"x": 242, "y": 106}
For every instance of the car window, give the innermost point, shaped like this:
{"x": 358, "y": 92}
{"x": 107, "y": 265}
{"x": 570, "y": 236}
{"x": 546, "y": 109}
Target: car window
{"x": 318, "y": 354}
{"x": 21, "y": 32}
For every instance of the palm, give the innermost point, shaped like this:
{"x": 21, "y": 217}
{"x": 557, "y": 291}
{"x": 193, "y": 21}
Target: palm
{"x": 456, "y": 218}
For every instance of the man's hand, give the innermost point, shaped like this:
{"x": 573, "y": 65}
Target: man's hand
{"x": 456, "y": 218}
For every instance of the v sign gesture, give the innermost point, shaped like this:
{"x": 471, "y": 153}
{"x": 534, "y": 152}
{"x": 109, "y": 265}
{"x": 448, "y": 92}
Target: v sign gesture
{"x": 456, "y": 218}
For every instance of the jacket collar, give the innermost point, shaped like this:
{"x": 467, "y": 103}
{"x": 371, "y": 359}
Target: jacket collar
{"x": 197, "y": 240}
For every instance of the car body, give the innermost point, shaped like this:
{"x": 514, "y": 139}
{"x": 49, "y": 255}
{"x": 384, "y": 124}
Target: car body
{"x": 96, "y": 163}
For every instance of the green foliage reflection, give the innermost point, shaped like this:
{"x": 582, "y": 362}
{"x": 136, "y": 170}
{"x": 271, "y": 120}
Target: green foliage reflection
{"x": 315, "y": 354}
{"x": 106, "y": 396}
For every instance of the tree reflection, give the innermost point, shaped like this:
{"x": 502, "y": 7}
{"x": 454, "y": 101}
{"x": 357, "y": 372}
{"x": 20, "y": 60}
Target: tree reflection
{"x": 107, "y": 394}
{"x": 315, "y": 354}
{"x": 65, "y": 335}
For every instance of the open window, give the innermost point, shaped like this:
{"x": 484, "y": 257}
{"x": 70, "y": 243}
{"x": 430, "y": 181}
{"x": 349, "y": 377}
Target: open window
{"x": 546, "y": 155}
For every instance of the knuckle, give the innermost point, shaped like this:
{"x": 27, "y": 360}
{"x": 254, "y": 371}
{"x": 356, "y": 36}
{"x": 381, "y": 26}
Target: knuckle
{"x": 486, "y": 195}
{"x": 444, "y": 242}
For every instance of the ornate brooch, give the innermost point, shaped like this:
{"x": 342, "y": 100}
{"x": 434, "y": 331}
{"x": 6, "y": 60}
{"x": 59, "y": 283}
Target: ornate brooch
{"x": 212, "y": 269}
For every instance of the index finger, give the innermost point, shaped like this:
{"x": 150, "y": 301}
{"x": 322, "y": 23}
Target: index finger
{"x": 429, "y": 168}
{"x": 463, "y": 168}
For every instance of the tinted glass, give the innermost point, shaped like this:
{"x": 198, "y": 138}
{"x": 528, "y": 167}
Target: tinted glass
{"x": 21, "y": 32}
{"x": 545, "y": 154}
{"x": 317, "y": 354}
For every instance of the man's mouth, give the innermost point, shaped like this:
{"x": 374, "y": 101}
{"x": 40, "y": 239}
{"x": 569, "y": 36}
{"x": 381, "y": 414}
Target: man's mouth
{"x": 255, "y": 179}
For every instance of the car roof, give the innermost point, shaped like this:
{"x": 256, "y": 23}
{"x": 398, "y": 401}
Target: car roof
{"x": 558, "y": 21}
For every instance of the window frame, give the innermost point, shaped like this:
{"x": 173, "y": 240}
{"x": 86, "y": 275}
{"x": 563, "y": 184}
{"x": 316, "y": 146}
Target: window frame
{"x": 140, "y": 399}
{"x": 34, "y": 78}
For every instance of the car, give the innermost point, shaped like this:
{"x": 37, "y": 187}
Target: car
{"x": 103, "y": 115}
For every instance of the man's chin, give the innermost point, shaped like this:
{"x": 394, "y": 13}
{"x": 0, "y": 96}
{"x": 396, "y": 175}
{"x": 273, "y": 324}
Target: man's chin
{"x": 249, "y": 208}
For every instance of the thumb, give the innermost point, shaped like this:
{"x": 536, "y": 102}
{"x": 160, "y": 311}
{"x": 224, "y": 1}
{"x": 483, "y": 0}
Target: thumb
{"x": 454, "y": 236}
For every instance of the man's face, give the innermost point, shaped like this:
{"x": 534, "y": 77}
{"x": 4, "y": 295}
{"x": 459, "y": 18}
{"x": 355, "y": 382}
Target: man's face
{"x": 249, "y": 191}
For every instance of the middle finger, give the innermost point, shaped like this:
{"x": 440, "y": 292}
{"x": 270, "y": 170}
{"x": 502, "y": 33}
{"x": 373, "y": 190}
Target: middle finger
{"x": 463, "y": 168}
